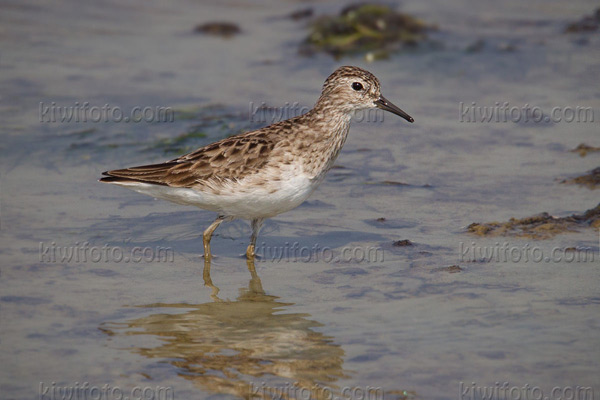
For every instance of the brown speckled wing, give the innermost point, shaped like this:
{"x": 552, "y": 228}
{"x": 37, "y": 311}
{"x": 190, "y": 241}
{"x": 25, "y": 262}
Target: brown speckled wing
{"x": 229, "y": 159}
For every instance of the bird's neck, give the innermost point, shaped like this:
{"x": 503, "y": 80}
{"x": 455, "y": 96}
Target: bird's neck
{"x": 329, "y": 129}
{"x": 331, "y": 119}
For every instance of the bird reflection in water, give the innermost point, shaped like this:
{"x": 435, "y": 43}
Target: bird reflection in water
{"x": 249, "y": 347}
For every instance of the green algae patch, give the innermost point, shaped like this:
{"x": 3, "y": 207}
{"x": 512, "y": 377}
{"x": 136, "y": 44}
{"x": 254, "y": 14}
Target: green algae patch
{"x": 370, "y": 29}
{"x": 591, "y": 180}
{"x": 181, "y": 143}
{"x": 583, "y": 149}
{"x": 541, "y": 226}
{"x": 212, "y": 121}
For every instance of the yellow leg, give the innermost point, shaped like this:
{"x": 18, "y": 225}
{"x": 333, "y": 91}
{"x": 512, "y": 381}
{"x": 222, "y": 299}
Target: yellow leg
{"x": 256, "y": 225}
{"x": 208, "y": 235}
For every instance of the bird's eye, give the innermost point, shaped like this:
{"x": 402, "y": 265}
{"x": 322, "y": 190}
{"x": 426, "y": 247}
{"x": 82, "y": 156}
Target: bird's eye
{"x": 357, "y": 86}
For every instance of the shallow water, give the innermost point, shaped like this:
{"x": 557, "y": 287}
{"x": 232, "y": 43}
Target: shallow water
{"x": 401, "y": 322}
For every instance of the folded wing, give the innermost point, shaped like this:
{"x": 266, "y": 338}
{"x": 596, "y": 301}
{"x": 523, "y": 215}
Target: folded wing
{"x": 229, "y": 159}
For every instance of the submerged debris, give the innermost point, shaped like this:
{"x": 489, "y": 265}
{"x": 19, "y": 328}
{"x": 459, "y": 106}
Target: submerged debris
{"x": 479, "y": 45}
{"x": 589, "y": 23}
{"x": 82, "y": 133}
{"x": 398, "y": 394}
{"x": 222, "y": 29}
{"x": 590, "y": 180}
{"x": 387, "y": 183}
{"x": 475, "y": 47}
{"x": 301, "y": 14}
{"x": 541, "y": 226}
{"x": 452, "y": 269}
{"x": 583, "y": 149}
{"x": 397, "y": 184}
{"x": 507, "y": 47}
{"x": 372, "y": 29}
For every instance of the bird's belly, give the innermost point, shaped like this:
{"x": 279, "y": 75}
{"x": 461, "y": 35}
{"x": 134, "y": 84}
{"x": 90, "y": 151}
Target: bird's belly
{"x": 266, "y": 198}
{"x": 254, "y": 197}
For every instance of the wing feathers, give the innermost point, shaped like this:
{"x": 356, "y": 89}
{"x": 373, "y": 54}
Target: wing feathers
{"x": 229, "y": 159}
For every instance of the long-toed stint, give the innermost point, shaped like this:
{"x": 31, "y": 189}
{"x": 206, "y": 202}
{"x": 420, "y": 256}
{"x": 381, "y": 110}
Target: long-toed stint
{"x": 263, "y": 173}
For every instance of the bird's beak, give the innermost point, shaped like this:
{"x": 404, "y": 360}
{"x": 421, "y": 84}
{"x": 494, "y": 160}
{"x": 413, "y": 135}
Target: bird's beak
{"x": 386, "y": 105}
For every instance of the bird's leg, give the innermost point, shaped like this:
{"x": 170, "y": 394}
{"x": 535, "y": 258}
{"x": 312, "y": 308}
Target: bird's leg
{"x": 208, "y": 234}
{"x": 256, "y": 225}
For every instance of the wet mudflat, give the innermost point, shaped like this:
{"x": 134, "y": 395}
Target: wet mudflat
{"x": 374, "y": 284}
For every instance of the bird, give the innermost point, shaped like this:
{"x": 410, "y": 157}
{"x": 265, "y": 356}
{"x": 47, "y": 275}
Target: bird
{"x": 265, "y": 172}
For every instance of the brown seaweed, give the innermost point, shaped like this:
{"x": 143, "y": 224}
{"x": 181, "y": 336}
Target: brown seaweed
{"x": 222, "y": 29}
{"x": 583, "y": 149}
{"x": 589, "y": 23}
{"x": 541, "y": 226}
{"x": 591, "y": 180}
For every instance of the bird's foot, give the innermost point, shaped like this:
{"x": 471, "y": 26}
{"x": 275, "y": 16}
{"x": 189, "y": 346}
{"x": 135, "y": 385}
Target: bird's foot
{"x": 250, "y": 252}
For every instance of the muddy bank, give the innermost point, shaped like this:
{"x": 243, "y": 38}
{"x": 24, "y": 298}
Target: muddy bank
{"x": 541, "y": 226}
{"x": 591, "y": 180}
{"x": 583, "y": 149}
{"x": 588, "y": 23}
